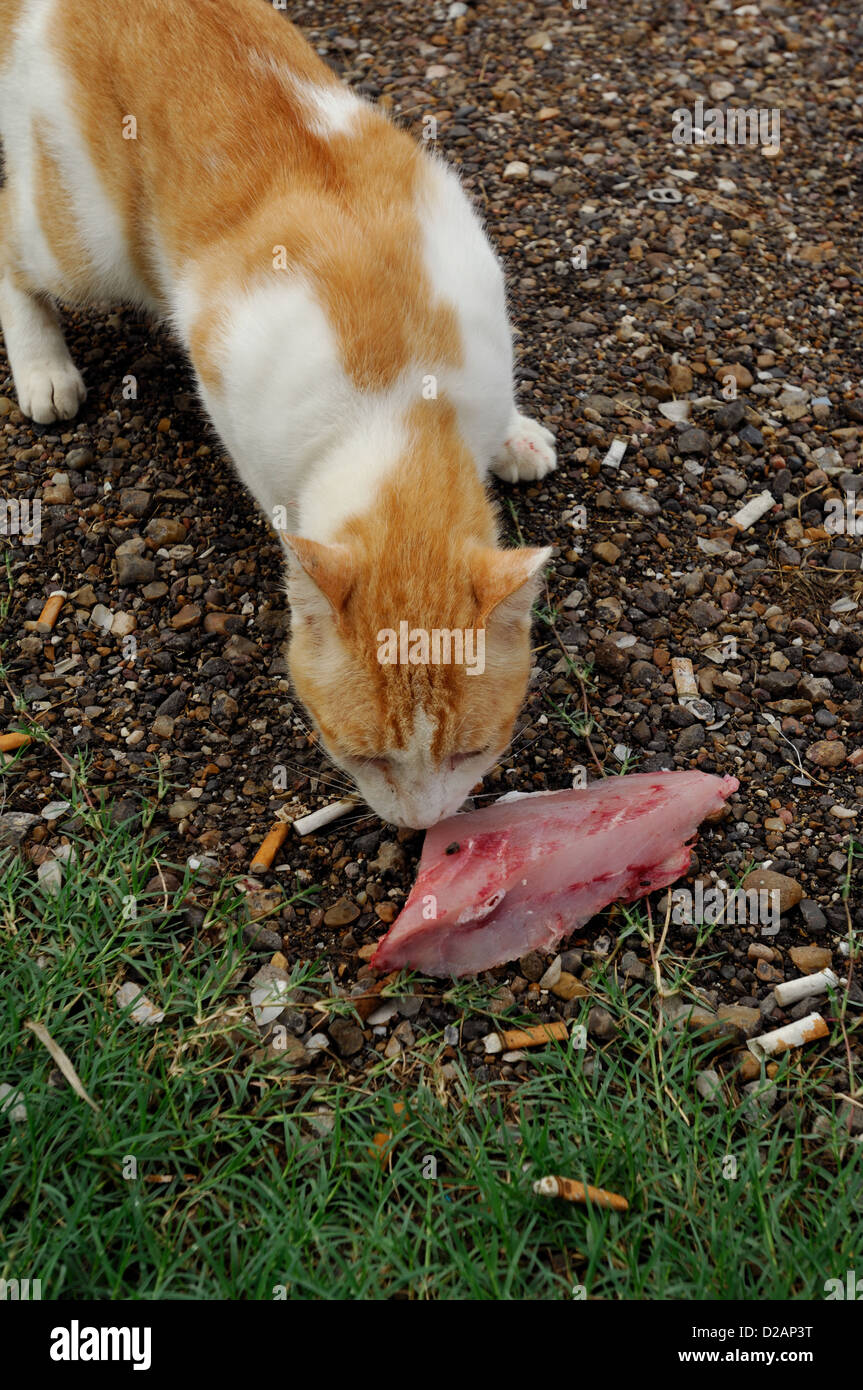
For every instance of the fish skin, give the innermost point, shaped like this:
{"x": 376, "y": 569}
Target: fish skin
{"x": 512, "y": 885}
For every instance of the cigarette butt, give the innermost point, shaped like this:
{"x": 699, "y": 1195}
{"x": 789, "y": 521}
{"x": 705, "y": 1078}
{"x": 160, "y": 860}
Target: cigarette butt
{"x": 306, "y": 824}
{"x": 571, "y": 1191}
{"x": 793, "y": 990}
{"x": 804, "y": 1030}
{"x": 263, "y": 860}
{"x": 684, "y": 678}
{"x": 9, "y": 742}
{"x": 753, "y": 511}
{"x": 51, "y": 612}
{"x": 514, "y": 1038}
{"x": 615, "y": 454}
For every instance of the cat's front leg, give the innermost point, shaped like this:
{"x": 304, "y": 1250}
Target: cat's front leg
{"x": 527, "y": 453}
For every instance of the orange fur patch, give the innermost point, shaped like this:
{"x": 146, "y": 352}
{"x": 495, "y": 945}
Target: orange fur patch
{"x": 227, "y": 165}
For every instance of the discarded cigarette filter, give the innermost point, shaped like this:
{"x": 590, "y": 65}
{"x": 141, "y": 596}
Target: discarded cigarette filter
{"x": 306, "y": 824}
{"x": 817, "y": 983}
{"x": 753, "y": 511}
{"x": 51, "y": 612}
{"x": 572, "y": 1191}
{"x": 804, "y": 1030}
{"x": 684, "y": 678}
{"x": 263, "y": 860}
{"x": 9, "y": 742}
{"x": 513, "y": 1038}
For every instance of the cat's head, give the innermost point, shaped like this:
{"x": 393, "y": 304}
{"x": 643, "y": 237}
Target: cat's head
{"x": 415, "y": 733}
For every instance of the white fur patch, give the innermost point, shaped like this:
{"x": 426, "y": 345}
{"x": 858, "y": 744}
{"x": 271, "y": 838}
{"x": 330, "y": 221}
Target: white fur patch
{"x": 328, "y": 110}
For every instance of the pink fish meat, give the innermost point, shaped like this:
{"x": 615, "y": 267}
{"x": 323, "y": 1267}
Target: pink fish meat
{"x": 522, "y": 873}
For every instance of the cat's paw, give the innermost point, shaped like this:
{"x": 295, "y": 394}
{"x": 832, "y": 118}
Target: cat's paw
{"x": 50, "y": 391}
{"x": 527, "y": 454}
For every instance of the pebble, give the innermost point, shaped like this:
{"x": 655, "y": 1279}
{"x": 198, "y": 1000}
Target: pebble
{"x": 14, "y": 826}
{"x": 788, "y": 889}
{"x": 813, "y": 917}
{"x": 634, "y": 501}
{"x": 810, "y": 959}
{"x": 348, "y": 1038}
{"x": 341, "y": 914}
{"x": 709, "y": 1085}
{"x": 827, "y": 752}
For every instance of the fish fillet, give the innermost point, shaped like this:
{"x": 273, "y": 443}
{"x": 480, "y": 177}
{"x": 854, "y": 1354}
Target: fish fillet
{"x": 519, "y": 875}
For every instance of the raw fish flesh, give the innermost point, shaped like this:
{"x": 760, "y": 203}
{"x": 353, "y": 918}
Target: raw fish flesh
{"x": 519, "y": 875}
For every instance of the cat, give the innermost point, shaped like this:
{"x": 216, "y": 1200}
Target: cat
{"x": 346, "y": 320}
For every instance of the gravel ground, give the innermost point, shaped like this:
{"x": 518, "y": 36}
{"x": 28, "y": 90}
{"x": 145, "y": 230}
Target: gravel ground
{"x": 632, "y": 307}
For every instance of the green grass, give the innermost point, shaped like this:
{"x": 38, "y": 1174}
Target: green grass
{"x": 278, "y": 1183}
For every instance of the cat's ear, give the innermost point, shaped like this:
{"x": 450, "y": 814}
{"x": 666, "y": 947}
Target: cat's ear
{"x": 507, "y": 581}
{"x": 322, "y": 576}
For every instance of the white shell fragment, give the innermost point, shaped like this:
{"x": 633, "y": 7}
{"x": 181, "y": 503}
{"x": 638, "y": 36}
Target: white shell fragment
{"x": 144, "y": 1011}
{"x": 268, "y": 1001}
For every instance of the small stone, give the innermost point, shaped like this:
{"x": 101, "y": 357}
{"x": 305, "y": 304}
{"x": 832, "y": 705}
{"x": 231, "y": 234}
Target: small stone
{"x": 695, "y": 442}
{"x": 135, "y": 501}
{"x": 632, "y": 967}
{"x": 122, "y": 624}
{"x": 730, "y": 415}
{"x": 223, "y": 709}
{"x": 531, "y": 966}
{"x": 341, "y": 914}
{"x": 60, "y": 494}
{"x": 390, "y": 858}
{"x": 810, "y": 959}
{"x": 607, "y": 551}
{"x": 101, "y": 618}
{"x": 634, "y": 501}
{"x": 679, "y": 378}
{"x": 551, "y": 975}
{"x": 601, "y": 1024}
{"x": 163, "y": 726}
{"x": 788, "y": 889}
{"x": 516, "y": 171}
{"x": 80, "y": 459}
{"x": 165, "y": 530}
{"x": 154, "y": 591}
{"x": 827, "y": 752}
{"x": 708, "y": 1084}
{"x": 188, "y": 616}
{"x": 347, "y": 1037}
{"x": 262, "y": 902}
{"x": 741, "y": 374}
{"x": 14, "y": 826}
{"x": 747, "y": 1020}
{"x": 814, "y": 918}
{"x": 181, "y": 808}
{"x": 134, "y": 569}
{"x": 567, "y": 986}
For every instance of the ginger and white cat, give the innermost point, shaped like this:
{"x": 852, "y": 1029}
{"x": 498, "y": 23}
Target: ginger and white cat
{"x": 345, "y": 317}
